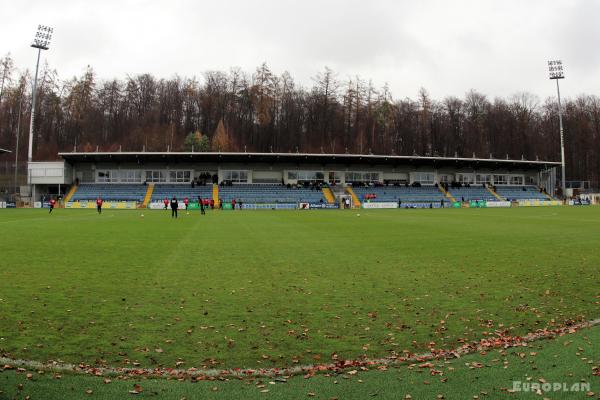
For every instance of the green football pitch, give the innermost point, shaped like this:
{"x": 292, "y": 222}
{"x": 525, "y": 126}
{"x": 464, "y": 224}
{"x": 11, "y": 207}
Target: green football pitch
{"x": 270, "y": 289}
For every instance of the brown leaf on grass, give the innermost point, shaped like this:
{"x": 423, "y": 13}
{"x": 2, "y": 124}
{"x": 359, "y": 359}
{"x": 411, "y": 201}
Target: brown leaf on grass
{"x": 106, "y": 380}
{"x": 89, "y": 391}
{"x": 137, "y": 389}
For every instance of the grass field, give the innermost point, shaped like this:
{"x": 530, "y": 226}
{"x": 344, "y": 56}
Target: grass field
{"x": 274, "y": 289}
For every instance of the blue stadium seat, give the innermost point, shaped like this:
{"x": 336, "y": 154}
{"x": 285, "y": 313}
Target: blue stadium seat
{"x": 475, "y": 192}
{"x": 110, "y": 192}
{"x": 181, "y": 191}
{"x": 520, "y": 193}
{"x": 270, "y": 193}
{"x": 410, "y": 194}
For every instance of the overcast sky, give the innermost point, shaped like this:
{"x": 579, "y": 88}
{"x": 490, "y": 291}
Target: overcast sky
{"x": 497, "y": 47}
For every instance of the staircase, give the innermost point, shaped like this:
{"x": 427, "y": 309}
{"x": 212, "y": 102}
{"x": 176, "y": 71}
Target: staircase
{"x": 355, "y": 200}
{"x": 71, "y": 193}
{"x": 546, "y": 194}
{"x": 328, "y": 195}
{"x": 216, "y": 193}
{"x": 148, "y": 196}
{"x": 496, "y": 195}
{"x": 446, "y": 193}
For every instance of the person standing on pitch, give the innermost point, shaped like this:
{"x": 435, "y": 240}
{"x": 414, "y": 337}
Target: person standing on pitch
{"x": 51, "y": 204}
{"x": 174, "y": 206}
{"x": 99, "y": 204}
{"x": 166, "y": 202}
{"x": 201, "y": 203}
{"x": 186, "y": 202}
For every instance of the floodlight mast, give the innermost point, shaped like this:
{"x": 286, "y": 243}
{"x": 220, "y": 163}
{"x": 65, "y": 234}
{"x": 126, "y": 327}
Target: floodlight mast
{"x": 41, "y": 41}
{"x": 555, "y": 68}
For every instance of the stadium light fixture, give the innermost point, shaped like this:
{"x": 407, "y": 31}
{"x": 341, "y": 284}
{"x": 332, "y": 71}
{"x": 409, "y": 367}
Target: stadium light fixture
{"x": 556, "y": 71}
{"x": 41, "y": 41}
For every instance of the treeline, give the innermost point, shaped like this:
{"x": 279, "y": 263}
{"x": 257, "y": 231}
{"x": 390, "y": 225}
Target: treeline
{"x": 262, "y": 111}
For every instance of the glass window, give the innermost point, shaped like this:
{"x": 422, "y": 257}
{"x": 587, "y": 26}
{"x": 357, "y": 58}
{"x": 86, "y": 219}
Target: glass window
{"x": 292, "y": 175}
{"x": 103, "y": 176}
{"x": 500, "y": 179}
{"x": 236, "y": 176}
{"x": 479, "y": 178}
{"x": 425, "y": 178}
{"x": 516, "y": 180}
{"x": 362, "y": 177}
{"x": 156, "y": 176}
{"x": 465, "y": 178}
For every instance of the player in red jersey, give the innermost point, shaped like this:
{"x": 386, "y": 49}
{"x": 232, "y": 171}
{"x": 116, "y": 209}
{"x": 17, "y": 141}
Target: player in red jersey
{"x": 99, "y": 205}
{"x": 52, "y": 203}
{"x": 186, "y": 202}
{"x": 166, "y": 203}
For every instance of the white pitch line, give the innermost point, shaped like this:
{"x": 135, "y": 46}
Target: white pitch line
{"x": 271, "y": 372}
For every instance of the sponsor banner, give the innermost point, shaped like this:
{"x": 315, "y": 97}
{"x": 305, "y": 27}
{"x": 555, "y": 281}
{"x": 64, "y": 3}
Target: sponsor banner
{"x": 11, "y": 204}
{"x": 118, "y": 205}
{"x": 494, "y": 204}
{"x": 539, "y": 203}
{"x": 303, "y": 206}
{"x": 456, "y": 204}
{"x": 2, "y": 204}
{"x": 161, "y": 206}
{"x": 382, "y": 204}
{"x": 580, "y": 202}
{"x": 270, "y": 206}
{"x": 37, "y": 204}
{"x": 421, "y": 205}
{"x": 323, "y": 206}
{"x": 477, "y": 204}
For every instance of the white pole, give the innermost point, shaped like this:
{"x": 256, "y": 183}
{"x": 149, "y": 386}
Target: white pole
{"x": 17, "y": 144}
{"x": 562, "y": 143}
{"x": 34, "y": 95}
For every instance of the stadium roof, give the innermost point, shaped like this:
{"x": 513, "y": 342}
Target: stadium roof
{"x": 4, "y": 151}
{"x": 370, "y": 159}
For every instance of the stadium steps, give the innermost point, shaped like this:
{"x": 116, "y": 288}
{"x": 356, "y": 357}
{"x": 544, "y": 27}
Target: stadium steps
{"x": 148, "y": 196}
{"x": 70, "y": 194}
{"x": 355, "y": 201}
{"x": 446, "y": 193}
{"x": 546, "y": 194}
{"x": 215, "y": 193}
{"x": 496, "y": 195}
{"x": 328, "y": 195}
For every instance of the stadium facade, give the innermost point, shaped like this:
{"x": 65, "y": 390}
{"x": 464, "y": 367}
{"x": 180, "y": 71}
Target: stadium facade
{"x": 260, "y": 177}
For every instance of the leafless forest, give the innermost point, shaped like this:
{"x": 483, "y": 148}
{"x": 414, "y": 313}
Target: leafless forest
{"x": 261, "y": 111}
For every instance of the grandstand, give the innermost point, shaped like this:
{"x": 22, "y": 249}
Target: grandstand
{"x": 265, "y": 193}
{"x": 123, "y": 192}
{"x": 288, "y": 178}
{"x": 405, "y": 194}
{"x": 472, "y": 193}
{"x": 521, "y": 193}
{"x": 162, "y": 191}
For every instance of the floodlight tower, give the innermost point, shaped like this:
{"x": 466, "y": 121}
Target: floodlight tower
{"x": 40, "y": 42}
{"x": 555, "y": 68}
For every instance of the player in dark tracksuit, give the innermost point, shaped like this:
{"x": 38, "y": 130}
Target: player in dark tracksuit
{"x": 174, "y": 206}
{"x": 201, "y": 203}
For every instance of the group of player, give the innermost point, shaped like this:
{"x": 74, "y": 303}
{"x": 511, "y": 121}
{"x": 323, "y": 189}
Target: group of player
{"x": 173, "y": 203}
{"x": 202, "y": 203}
